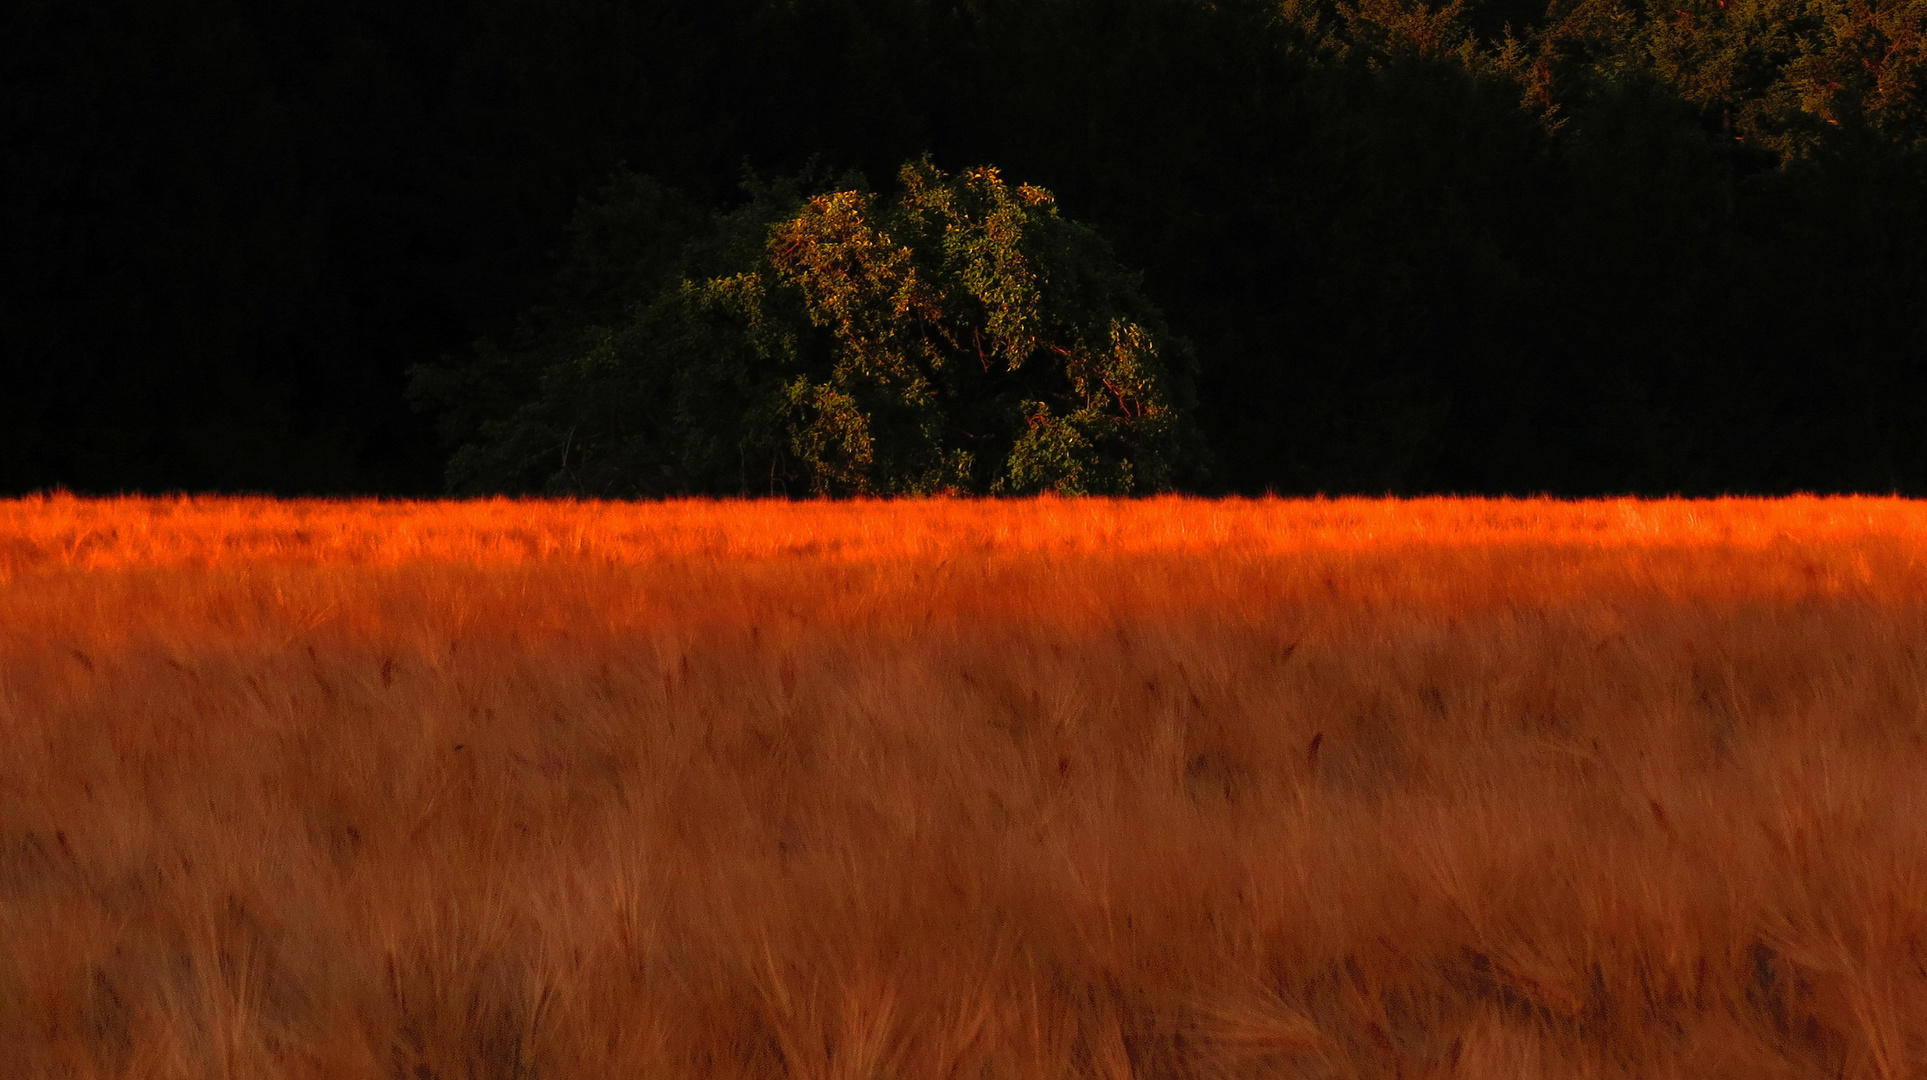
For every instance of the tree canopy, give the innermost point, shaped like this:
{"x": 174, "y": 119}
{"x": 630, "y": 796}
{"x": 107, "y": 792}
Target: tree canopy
{"x": 959, "y": 336}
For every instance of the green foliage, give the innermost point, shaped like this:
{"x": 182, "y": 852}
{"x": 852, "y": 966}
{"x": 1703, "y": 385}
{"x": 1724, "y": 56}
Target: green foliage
{"x": 959, "y": 337}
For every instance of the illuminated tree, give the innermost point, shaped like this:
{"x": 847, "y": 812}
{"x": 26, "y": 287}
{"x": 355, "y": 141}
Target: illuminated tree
{"x": 959, "y": 337}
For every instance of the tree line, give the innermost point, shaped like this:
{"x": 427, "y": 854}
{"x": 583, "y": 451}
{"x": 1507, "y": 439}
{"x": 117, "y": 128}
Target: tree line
{"x": 1495, "y": 246}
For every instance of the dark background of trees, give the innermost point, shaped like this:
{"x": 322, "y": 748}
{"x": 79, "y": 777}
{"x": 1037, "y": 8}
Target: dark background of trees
{"x": 1495, "y": 247}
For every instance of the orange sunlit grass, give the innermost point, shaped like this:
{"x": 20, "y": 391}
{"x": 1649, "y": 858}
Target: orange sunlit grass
{"x": 1056, "y": 788}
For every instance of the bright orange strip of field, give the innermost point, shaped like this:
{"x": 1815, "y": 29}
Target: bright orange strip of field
{"x": 96, "y": 534}
{"x": 929, "y": 790}
{"x": 974, "y": 560}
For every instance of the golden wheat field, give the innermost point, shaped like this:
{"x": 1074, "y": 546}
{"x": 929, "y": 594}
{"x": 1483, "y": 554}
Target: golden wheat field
{"x": 960, "y": 790}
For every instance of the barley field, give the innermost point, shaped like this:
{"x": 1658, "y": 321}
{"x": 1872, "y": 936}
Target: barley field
{"x": 959, "y": 790}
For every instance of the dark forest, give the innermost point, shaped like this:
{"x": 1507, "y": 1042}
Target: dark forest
{"x": 1596, "y": 247}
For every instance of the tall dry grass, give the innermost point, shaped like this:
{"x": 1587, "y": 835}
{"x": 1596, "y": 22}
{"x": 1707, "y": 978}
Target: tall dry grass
{"x": 963, "y": 790}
